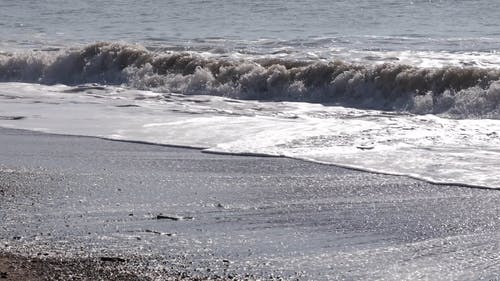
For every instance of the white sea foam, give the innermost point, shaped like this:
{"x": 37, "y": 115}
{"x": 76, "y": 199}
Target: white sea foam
{"x": 454, "y": 90}
{"x": 422, "y": 146}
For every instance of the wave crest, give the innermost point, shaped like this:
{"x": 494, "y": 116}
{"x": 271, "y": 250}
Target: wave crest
{"x": 457, "y": 91}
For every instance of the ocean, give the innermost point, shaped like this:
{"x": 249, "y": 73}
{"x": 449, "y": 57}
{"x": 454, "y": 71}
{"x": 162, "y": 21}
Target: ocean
{"x": 396, "y": 87}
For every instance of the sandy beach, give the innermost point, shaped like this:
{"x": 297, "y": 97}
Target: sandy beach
{"x": 73, "y": 208}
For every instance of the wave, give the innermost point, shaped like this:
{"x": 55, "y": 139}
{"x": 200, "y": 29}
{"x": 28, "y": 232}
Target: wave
{"x": 461, "y": 92}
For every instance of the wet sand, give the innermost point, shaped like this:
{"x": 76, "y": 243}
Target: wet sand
{"x": 85, "y": 207}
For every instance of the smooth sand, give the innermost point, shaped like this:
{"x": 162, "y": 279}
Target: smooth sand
{"x": 148, "y": 211}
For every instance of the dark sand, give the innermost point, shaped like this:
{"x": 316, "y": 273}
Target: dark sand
{"x": 79, "y": 208}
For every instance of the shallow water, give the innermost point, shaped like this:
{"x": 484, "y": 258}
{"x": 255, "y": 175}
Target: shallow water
{"x": 428, "y": 147}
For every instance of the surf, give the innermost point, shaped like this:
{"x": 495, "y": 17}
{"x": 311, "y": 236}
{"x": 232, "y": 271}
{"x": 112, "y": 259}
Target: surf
{"x": 454, "y": 91}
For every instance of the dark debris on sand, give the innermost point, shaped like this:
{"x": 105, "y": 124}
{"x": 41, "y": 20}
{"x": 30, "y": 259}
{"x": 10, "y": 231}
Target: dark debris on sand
{"x": 15, "y": 267}
{"x": 19, "y": 268}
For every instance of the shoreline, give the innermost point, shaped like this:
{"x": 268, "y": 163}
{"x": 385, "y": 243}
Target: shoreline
{"x": 262, "y": 155}
{"x": 181, "y": 212}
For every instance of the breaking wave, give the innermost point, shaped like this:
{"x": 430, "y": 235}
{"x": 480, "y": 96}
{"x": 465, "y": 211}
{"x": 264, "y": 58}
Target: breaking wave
{"x": 461, "y": 92}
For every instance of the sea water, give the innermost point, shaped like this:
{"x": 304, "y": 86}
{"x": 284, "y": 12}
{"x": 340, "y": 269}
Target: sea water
{"x": 398, "y": 87}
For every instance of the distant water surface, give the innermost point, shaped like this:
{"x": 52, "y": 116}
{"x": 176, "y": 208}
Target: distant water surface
{"x": 450, "y": 25}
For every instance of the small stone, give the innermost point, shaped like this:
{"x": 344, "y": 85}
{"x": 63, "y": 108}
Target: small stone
{"x": 365, "y": 147}
{"x": 152, "y": 231}
{"x": 112, "y": 259}
{"x": 166, "y": 217}
{"x": 159, "y": 233}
